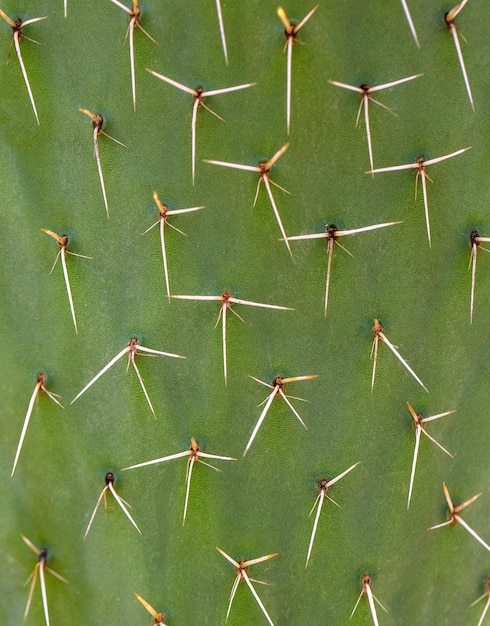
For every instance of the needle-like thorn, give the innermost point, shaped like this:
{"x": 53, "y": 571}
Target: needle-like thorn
{"x": 379, "y": 335}
{"x": 40, "y": 566}
{"x": 199, "y": 95}
{"x": 291, "y": 33}
{"x": 132, "y": 349}
{"x": 365, "y": 91}
{"x": 455, "y": 518}
{"x": 420, "y": 164}
{"x": 97, "y": 123}
{"x": 278, "y": 389}
{"x": 134, "y": 22}
{"x": 17, "y": 27}
{"x": 263, "y": 170}
{"x": 475, "y": 243}
{"x": 241, "y": 574}
{"x": 194, "y": 453}
{"x": 227, "y": 299}
{"x": 331, "y": 235}
{"x": 40, "y": 387}
{"x": 449, "y": 20}
{"x": 323, "y": 487}
{"x": 419, "y": 421}
{"x": 109, "y": 486}
{"x": 366, "y": 583}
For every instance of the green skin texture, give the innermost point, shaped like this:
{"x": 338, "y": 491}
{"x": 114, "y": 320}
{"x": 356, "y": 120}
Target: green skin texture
{"x": 260, "y": 504}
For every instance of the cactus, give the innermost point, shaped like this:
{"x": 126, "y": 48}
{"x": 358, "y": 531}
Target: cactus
{"x": 259, "y": 504}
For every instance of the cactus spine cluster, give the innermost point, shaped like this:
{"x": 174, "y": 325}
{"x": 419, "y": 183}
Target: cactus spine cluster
{"x": 259, "y": 505}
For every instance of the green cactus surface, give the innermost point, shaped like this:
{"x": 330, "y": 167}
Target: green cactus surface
{"x": 258, "y": 504}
